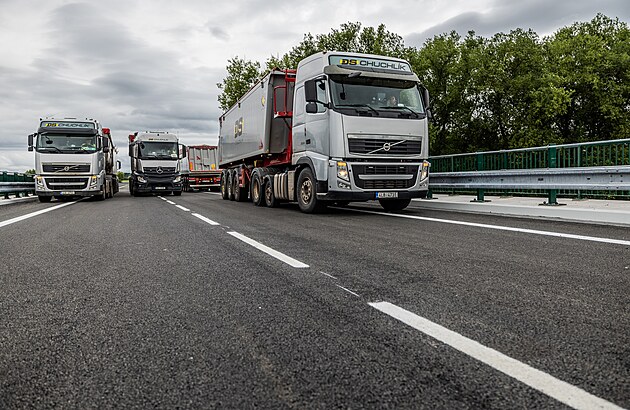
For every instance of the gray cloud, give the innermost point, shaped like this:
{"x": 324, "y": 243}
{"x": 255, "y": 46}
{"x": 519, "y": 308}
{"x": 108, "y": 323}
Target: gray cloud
{"x": 542, "y": 16}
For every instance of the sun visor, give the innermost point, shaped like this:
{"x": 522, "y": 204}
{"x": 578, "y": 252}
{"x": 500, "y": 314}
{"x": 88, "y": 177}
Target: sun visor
{"x": 371, "y": 72}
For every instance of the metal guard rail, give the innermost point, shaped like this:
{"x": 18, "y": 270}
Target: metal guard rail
{"x": 16, "y": 188}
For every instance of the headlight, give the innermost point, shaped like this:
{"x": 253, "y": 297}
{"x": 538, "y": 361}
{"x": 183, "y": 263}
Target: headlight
{"x": 93, "y": 180}
{"x": 177, "y": 179}
{"x": 39, "y": 181}
{"x": 424, "y": 170}
{"x": 142, "y": 180}
{"x": 342, "y": 171}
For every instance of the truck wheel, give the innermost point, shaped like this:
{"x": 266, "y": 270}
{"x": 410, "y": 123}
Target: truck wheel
{"x": 307, "y": 193}
{"x": 270, "y": 198}
{"x": 44, "y": 198}
{"x": 240, "y": 194}
{"x": 394, "y": 204}
{"x": 224, "y": 190}
{"x": 257, "y": 191}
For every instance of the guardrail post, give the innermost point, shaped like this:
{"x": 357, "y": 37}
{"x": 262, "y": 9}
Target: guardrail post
{"x": 480, "y": 167}
{"x": 552, "y": 162}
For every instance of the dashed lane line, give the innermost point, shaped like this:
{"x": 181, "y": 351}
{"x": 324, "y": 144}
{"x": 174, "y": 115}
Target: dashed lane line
{"x": 206, "y": 220}
{"x": 272, "y": 252}
{"x": 348, "y": 290}
{"x": 183, "y": 208}
{"x": 564, "y": 392}
{"x": 32, "y": 214}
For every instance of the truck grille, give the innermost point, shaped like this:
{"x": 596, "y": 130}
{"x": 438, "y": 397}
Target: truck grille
{"x": 61, "y": 184}
{"x": 66, "y": 167}
{"x": 154, "y": 170}
{"x": 383, "y": 171}
{"x": 396, "y": 147}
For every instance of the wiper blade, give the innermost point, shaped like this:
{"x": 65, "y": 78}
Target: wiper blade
{"x": 404, "y": 107}
{"x": 355, "y": 106}
{"x": 44, "y": 148}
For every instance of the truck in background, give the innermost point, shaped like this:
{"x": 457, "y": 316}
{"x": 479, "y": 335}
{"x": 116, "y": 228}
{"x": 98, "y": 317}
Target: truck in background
{"x": 202, "y": 171}
{"x": 73, "y": 158}
{"x": 342, "y": 127}
{"x": 155, "y": 163}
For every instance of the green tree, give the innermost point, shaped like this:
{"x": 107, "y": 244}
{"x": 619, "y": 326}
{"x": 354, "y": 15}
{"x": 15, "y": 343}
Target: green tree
{"x": 241, "y": 76}
{"x": 30, "y": 172}
{"x": 120, "y": 175}
{"x": 592, "y": 61}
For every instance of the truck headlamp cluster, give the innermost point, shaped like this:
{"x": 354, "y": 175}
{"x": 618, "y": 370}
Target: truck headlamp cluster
{"x": 39, "y": 181}
{"x": 93, "y": 181}
{"x": 142, "y": 180}
{"x": 342, "y": 171}
{"x": 424, "y": 170}
{"x": 177, "y": 179}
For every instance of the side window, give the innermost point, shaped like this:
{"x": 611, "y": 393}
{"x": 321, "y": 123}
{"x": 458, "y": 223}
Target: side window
{"x": 300, "y": 102}
{"x": 322, "y": 95}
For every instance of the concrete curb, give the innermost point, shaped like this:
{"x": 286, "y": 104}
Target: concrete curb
{"x": 592, "y": 211}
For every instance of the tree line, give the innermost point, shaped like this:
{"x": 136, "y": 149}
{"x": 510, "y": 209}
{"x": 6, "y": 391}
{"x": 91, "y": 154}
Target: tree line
{"x": 513, "y": 90}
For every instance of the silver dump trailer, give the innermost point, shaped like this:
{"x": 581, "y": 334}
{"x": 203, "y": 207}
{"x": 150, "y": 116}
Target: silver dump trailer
{"x": 343, "y": 127}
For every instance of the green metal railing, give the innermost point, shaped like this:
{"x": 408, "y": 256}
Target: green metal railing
{"x": 590, "y": 154}
{"x": 14, "y": 183}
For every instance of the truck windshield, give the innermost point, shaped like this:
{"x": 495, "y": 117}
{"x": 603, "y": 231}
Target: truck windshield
{"x": 66, "y": 143}
{"x": 376, "y": 96}
{"x": 158, "y": 150}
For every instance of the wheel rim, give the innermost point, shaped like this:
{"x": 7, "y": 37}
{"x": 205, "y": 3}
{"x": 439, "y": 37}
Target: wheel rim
{"x": 306, "y": 191}
{"x": 256, "y": 189}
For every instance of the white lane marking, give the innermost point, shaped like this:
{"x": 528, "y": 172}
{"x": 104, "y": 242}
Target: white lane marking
{"x": 170, "y": 202}
{"x": 349, "y": 291}
{"x": 162, "y": 198}
{"x": 328, "y": 274}
{"x": 213, "y": 193}
{"x": 562, "y": 391}
{"x": 272, "y": 252}
{"x": 501, "y": 228}
{"x": 206, "y": 220}
{"x": 32, "y": 214}
{"x": 182, "y": 208}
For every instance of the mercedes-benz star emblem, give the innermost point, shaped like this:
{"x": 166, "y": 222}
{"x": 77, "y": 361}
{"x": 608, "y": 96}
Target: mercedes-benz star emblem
{"x": 159, "y": 170}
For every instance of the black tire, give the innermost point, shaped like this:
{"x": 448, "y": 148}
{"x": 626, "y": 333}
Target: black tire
{"x": 270, "y": 197}
{"x": 240, "y": 194}
{"x": 307, "y": 193}
{"x": 103, "y": 195}
{"x": 44, "y": 198}
{"x": 257, "y": 190}
{"x": 230, "y": 185}
{"x": 177, "y": 193}
{"x": 223, "y": 185}
{"x": 394, "y": 204}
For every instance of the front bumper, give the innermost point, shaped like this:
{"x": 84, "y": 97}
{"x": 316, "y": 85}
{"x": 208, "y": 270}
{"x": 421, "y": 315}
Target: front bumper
{"x": 69, "y": 193}
{"x": 158, "y": 184}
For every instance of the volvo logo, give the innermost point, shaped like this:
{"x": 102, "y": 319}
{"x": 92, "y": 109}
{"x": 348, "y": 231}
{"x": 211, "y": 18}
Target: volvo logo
{"x": 159, "y": 170}
{"x": 66, "y": 168}
{"x": 387, "y": 146}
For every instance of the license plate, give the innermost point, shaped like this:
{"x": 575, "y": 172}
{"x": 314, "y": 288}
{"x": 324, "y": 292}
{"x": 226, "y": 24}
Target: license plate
{"x": 381, "y": 195}
{"x": 67, "y": 192}
{"x": 160, "y": 187}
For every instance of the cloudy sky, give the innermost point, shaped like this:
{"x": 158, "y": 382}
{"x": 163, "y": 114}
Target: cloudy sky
{"x": 154, "y": 64}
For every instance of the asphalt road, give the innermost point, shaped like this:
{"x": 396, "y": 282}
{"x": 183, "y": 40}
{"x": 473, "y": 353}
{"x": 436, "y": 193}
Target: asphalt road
{"x": 205, "y": 303}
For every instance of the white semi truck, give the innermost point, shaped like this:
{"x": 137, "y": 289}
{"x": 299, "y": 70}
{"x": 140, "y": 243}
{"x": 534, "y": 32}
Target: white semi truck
{"x": 343, "y": 127}
{"x": 73, "y": 158}
{"x": 155, "y": 163}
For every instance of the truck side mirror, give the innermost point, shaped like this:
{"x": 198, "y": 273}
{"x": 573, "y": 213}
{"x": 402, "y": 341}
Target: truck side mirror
{"x": 131, "y": 150}
{"x": 119, "y": 164}
{"x": 183, "y": 148}
{"x": 105, "y": 145}
{"x": 30, "y": 142}
{"x": 427, "y": 103}
{"x": 310, "y": 91}
{"x": 311, "y": 107}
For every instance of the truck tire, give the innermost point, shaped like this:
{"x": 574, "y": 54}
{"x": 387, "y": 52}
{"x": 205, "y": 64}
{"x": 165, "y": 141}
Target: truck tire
{"x": 270, "y": 197}
{"x": 223, "y": 185}
{"x": 240, "y": 194}
{"x": 230, "y": 184}
{"x": 103, "y": 195}
{"x": 307, "y": 193}
{"x": 394, "y": 204}
{"x": 44, "y": 198}
{"x": 257, "y": 190}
